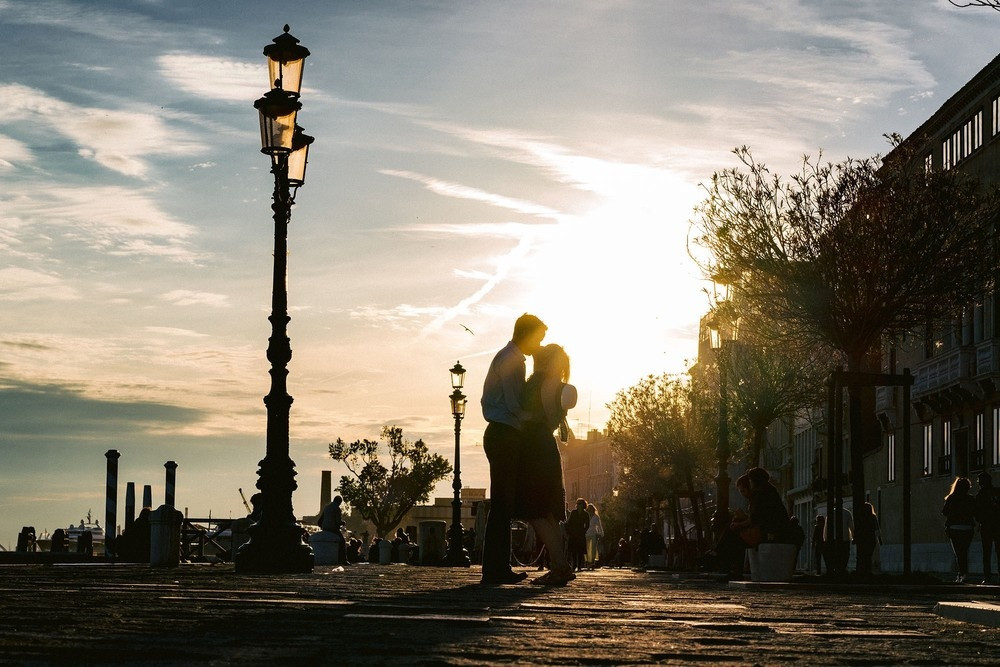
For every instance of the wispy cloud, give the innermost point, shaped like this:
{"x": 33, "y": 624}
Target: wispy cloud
{"x": 19, "y": 284}
{"x": 459, "y": 191}
{"x": 112, "y": 219}
{"x": 116, "y": 139}
{"x": 217, "y": 78}
{"x": 181, "y": 297}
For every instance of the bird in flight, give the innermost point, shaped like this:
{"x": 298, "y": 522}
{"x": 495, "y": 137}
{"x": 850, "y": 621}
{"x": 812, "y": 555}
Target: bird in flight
{"x": 467, "y": 328}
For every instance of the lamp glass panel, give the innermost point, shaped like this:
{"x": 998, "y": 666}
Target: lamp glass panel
{"x": 276, "y": 132}
{"x": 297, "y": 161}
{"x": 289, "y": 73}
{"x": 715, "y": 337}
{"x": 457, "y": 376}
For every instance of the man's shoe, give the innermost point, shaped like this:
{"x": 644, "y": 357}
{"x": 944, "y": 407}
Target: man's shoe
{"x": 508, "y": 578}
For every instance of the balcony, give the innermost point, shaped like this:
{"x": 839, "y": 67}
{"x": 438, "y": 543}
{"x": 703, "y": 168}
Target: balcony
{"x": 944, "y": 464}
{"x": 947, "y": 377}
{"x": 977, "y": 460}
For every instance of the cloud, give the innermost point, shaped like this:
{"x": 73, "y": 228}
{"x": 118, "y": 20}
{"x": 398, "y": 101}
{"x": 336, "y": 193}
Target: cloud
{"x": 29, "y": 409}
{"x": 19, "y": 284}
{"x": 214, "y": 78}
{"x": 458, "y": 191}
{"x": 116, "y": 139}
{"x": 173, "y": 331}
{"x": 111, "y": 219}
{"x": 182, "y": 297}
{"x": 13, "y": 151}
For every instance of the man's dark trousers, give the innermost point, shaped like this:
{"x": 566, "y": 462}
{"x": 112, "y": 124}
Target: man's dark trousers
{"x": 502, "y": 445}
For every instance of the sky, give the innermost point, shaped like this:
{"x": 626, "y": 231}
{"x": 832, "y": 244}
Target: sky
{"x": 473, "y": 161}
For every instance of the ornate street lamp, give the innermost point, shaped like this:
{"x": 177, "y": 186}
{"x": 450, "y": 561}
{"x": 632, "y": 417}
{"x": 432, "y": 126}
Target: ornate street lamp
{"x": 276, "y": 545}
{"x": 721, "y": 332}
{"x": 457, "y": 555}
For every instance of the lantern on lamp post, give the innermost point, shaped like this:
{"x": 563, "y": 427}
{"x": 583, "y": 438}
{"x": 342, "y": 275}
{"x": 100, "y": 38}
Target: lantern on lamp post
{"x": 276, "y": 545}
{"x": 457, "y": 555}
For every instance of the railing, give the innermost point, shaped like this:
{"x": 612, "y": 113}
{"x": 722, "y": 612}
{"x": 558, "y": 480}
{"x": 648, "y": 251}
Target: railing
{"x": 978, "y": 459}
{"x": 944, "y": 464}
{"x": 944, "y": 370}
{"x": 988, "y": 357}
{"x": 197, "y": 534}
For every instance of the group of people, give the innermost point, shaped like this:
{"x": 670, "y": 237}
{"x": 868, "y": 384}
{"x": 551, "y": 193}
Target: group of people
{"x": 584, "y": 532}
{"x": 522, "y": 415}
{"x": 832, "y": 544}
{"x": 963, "y": 511}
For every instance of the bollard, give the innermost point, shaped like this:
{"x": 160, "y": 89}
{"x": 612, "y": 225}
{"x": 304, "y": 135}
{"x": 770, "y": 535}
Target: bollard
{"x": 326, "y": 546}
{"x": 384, "y": 552}
{"x": 111, "y": 507}
{"x": 59, "y": 543}
{"x": 129, "y": 504}
{"x": 165, "y": 537}
{"x": 168, "y": 498}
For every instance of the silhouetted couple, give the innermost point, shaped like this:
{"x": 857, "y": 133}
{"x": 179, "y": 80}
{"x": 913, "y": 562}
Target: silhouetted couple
{"x": 525, "y": 469}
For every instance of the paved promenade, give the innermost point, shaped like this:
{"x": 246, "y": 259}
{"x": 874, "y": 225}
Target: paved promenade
{"x": 399, "y": 615}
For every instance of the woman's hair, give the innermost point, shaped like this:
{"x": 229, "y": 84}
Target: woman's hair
{"x": 552, "y": 359}
{"x": 758, "y": 476}
{"x": 960, "y": 485}
{"x": 743, "y": 481}
{"x": 592, "y": 508}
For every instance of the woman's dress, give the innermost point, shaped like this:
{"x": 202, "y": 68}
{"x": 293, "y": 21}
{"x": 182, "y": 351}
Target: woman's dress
{"x": 540, "y": 480}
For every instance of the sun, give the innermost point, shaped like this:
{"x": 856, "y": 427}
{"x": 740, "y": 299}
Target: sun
{"x": 617, "y": 288}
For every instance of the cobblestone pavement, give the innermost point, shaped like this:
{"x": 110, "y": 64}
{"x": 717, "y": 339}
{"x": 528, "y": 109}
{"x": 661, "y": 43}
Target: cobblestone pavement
{"x": 370, "y": 614}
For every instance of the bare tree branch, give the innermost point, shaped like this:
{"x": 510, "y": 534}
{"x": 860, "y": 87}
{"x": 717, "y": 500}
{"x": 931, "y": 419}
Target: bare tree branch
{"x": 991, "y": 4}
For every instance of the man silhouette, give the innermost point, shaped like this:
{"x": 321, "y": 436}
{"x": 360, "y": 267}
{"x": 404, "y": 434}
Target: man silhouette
{"x": 503, "y": 409}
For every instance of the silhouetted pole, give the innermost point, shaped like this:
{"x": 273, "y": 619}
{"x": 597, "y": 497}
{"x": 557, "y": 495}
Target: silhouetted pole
{"x": 171, "y": 483}
{"x": 111, "y": 504}
{"x": 276, "y": 540}
{"x": 129, "y": 504}
{"x": 907, "y": 520}
{"x": 457, "y": 555}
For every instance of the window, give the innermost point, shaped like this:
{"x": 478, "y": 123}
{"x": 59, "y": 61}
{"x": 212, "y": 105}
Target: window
{"x": 996, "y": 436}
{"x": 891, "y": 448}
{"x": 928, "y": 163}
{"x": 944, "y": 463}
{"x": 928, "y": 448}
{"x": 964, "y": 141}
{"x": 979, "y": 442}
{"x": 996, "y": 115}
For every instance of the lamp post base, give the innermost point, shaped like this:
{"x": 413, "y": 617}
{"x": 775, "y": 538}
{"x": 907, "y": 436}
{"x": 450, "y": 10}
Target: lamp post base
{"x": 273, "y": 551}
{"x": 457, "y": 556}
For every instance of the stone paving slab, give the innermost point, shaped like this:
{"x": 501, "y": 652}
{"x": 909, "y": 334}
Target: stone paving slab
{"x": 369, "y": 614}
{"x": 982, "y": 613}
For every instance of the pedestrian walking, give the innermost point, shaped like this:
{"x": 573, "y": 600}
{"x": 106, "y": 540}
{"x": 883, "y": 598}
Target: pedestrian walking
{"x": 866, "y": 537}
{"x": 959, "y": 511}
{"x": 577, "y": 524}
{"x": 595, "y": 533}
{"x": 817, "y": 543}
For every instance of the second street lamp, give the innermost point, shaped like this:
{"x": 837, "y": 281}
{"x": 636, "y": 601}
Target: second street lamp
{"x": 276, "y": 545}
{"x": 457, "y": 555}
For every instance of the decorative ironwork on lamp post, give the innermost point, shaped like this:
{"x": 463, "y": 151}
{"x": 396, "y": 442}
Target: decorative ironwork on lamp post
{"x": 276, "y": 545}
{"x": 722, "y": 332}
{"x": 457, "y": 555}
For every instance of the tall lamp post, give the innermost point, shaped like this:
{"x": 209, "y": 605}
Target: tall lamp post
{"x": 457, "y": 555}
{"x": 722, "y": 332}
{"x": 276, "y": 545}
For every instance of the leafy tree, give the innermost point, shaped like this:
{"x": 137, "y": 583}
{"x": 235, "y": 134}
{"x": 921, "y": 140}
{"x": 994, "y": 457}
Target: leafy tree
{"x": 660, "y": 441}
{"x": 384, "y": 495}
{"x": 844, "y": 255}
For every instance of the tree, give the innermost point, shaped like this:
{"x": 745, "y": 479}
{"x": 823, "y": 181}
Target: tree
{"x": 845, "y": 255}
{"x": 384, "y": 495}
{"x": 660, "y": 441}
{"x": 769, "y": 382}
